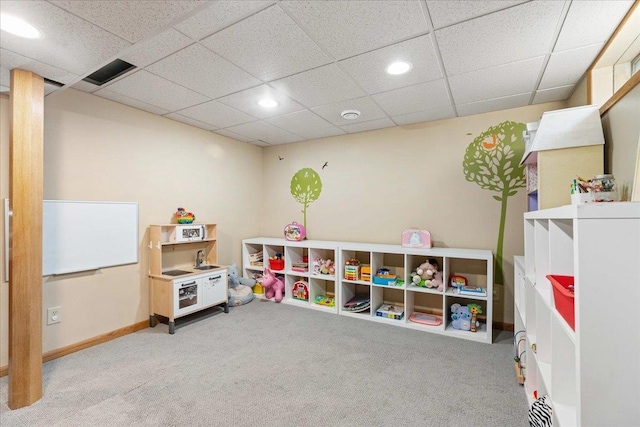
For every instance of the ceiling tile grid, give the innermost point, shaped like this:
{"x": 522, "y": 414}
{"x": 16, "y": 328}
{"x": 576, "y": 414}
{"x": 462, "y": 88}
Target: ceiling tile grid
{"x": 269, "y": 45}
{"x": 207, "y": 63}
{"x": 202, "y": 71}
{"x": 347, "y": 28}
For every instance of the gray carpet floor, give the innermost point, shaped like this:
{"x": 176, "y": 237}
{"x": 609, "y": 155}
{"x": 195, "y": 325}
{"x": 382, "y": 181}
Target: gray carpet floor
{"x": 266, "y": 364}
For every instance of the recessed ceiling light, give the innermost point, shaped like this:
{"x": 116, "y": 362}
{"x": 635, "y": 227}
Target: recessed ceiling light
{"x": 350, "y": 114}
{"x": 267, "y": 103}
{"x": 18, "y": 27}
{"x": 399, "y": 67}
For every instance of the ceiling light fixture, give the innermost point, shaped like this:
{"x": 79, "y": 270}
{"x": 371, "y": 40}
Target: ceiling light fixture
{"x": 18, "y": 27}
{"x": 350, "y": 114}
{"x": 399, "y": 67}
{"x": 267, "y": 103}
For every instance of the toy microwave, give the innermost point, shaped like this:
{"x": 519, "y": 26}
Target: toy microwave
{"x": 190, "y": 233}
{"x": 416, "y": 239}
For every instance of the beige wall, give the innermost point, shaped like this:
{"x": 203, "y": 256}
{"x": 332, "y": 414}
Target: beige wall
{"x": 579, "y": 95}
{"x": 379, "y": 183}
{"x": 621, "y": 125}
{"x": 376, "y": 185}
{"x": 96, "y": 149}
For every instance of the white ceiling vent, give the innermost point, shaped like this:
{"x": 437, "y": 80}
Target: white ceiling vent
{"x": 350, "y": 114}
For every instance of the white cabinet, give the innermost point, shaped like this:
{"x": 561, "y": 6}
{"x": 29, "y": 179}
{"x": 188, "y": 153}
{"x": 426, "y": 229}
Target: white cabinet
{"x": 592, "y": 373}
{"x": 475, "y": 265}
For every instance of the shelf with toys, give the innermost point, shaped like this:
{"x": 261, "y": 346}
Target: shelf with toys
{"x": 306, "y": 268}
{"x": 403, "y": 286}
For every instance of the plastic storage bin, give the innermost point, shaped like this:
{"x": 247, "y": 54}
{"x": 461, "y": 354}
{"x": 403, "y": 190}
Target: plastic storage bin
{"x": 563, "y": 297}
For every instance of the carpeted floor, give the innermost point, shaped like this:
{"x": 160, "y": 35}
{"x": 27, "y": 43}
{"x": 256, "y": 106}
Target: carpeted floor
{"x": 265, "y": 364}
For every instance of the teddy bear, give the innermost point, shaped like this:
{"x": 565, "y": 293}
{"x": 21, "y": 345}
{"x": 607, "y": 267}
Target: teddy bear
{"x": 428, "y": 272}
{"x": 273, "y": 287}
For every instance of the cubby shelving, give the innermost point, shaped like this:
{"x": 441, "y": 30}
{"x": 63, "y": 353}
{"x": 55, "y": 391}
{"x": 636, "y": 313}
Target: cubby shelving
{"x": 590, "y": 373}
{"x": 475, "y": 264}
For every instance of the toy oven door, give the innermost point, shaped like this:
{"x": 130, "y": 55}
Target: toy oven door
{"x": 186, "y": 297}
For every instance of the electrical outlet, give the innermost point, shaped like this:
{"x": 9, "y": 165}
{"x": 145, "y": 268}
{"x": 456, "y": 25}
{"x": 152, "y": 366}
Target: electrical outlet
{"x": 54, "y": 315}
{"x": 496, "y": 295}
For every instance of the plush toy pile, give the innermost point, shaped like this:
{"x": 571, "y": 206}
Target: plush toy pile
{"x": 240, "y": 289}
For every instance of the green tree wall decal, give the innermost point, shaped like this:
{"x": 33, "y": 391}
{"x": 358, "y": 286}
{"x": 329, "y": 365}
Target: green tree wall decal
{"x": 492, "y": 161}
{"x": 306, "y": 186}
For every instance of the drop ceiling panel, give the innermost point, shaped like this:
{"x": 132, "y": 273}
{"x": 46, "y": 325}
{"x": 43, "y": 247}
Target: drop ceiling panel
{"x": 299, "y": 121}
{"x": 151, "y": 89}
{"x": 189, "y": 121}
{"x": 283, "y": 139}
{"x": 494, "y": 104}
{"x": 217, "y": 16}
{"x": 216, "y": 114}
{"x": 69, "y": 42}
{"x": 368, "y": 109}
{"x": 445, "y": 13}
{"x": 496, "y": 82}
{"x": 131, "y": 20}
{"x": 320, "y": 86}
{"x": 368, "y": 69}
{"x": 201, "y": 70}
{"x": 425, "y": 116}
{"x": 321, "y": 133}
{"x": 347, "y": 28}
{"x": 366, "y": 126}
{"x": 122, "y": 99}
{"x": 590, "y": 22}
{"x": 85, "y": 86}
{"x": 233, "y": 135}
{"x": 259, "y": 130}
{"x": 412, "y": 99}
{"x": 554, "y": 94}
{"x": 567, "y": 67}
{"x": 155, "y": 48}
{"x": 10, "y": 60}
{"x": 269, "y": 45}
{"x": 247, "y": 102}
{"x": 510, "y": 35}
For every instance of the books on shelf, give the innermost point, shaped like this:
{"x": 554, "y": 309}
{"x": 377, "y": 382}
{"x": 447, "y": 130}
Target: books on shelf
{"x": 357, "y": 304}
{"x": 475, "y": 291}
{"x": 390, "y": 311}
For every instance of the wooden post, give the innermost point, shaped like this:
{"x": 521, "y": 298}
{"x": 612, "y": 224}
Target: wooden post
{"x": 25, "y": 264}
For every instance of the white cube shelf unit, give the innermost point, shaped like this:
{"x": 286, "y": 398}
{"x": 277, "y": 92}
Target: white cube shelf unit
{"x": 475, "y": 264}
{"x": 293, "y": 253}
{"x": 591, "y": 373}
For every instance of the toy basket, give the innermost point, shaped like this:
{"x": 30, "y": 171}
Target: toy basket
{"x": 563, "y": 297}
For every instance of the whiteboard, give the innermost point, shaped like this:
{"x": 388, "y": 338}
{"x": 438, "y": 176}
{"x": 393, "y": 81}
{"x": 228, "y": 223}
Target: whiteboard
{"x": 80, "y": 236}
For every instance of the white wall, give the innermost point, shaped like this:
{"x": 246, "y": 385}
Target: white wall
{"x": 96, "y": 149}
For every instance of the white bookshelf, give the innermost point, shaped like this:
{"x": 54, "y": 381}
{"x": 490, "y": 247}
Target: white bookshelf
{"x": 592, "y": 373}
{"x": 476, "y": 265}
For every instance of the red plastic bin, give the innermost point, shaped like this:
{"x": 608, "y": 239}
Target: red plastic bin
{"x": 563, "y": 297}
{"x": 276, "y": 264}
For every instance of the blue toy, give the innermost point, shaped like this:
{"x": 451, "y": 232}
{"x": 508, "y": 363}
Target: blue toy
{"x": 461, "y": 316}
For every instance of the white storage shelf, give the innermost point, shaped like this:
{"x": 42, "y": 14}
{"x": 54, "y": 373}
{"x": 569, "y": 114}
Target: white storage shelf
{"x": 475, "y": 265}
{"x": 591, "y": 374}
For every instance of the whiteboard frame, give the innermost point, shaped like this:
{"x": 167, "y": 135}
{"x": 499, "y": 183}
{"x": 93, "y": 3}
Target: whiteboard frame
{"x": 8, "y": 213}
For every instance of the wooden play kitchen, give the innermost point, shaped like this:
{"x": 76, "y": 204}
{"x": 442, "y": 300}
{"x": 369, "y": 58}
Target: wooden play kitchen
{"x": 178, "y": 285}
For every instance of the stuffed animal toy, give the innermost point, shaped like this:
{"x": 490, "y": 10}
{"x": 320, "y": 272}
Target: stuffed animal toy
{"x": 240, "y": 289}
{"x": 428, "y": 271}
{"x": 234, "y": 280}
{"x": 462, "y": 318}
{"x": 327, "y": 267}
{"x": 273, "y": 287}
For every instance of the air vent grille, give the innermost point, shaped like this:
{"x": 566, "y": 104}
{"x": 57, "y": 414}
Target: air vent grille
{"x": 109, "y": 72}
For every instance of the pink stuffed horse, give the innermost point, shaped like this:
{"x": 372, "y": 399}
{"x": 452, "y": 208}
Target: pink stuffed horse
{"x": 272, "y": 285}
